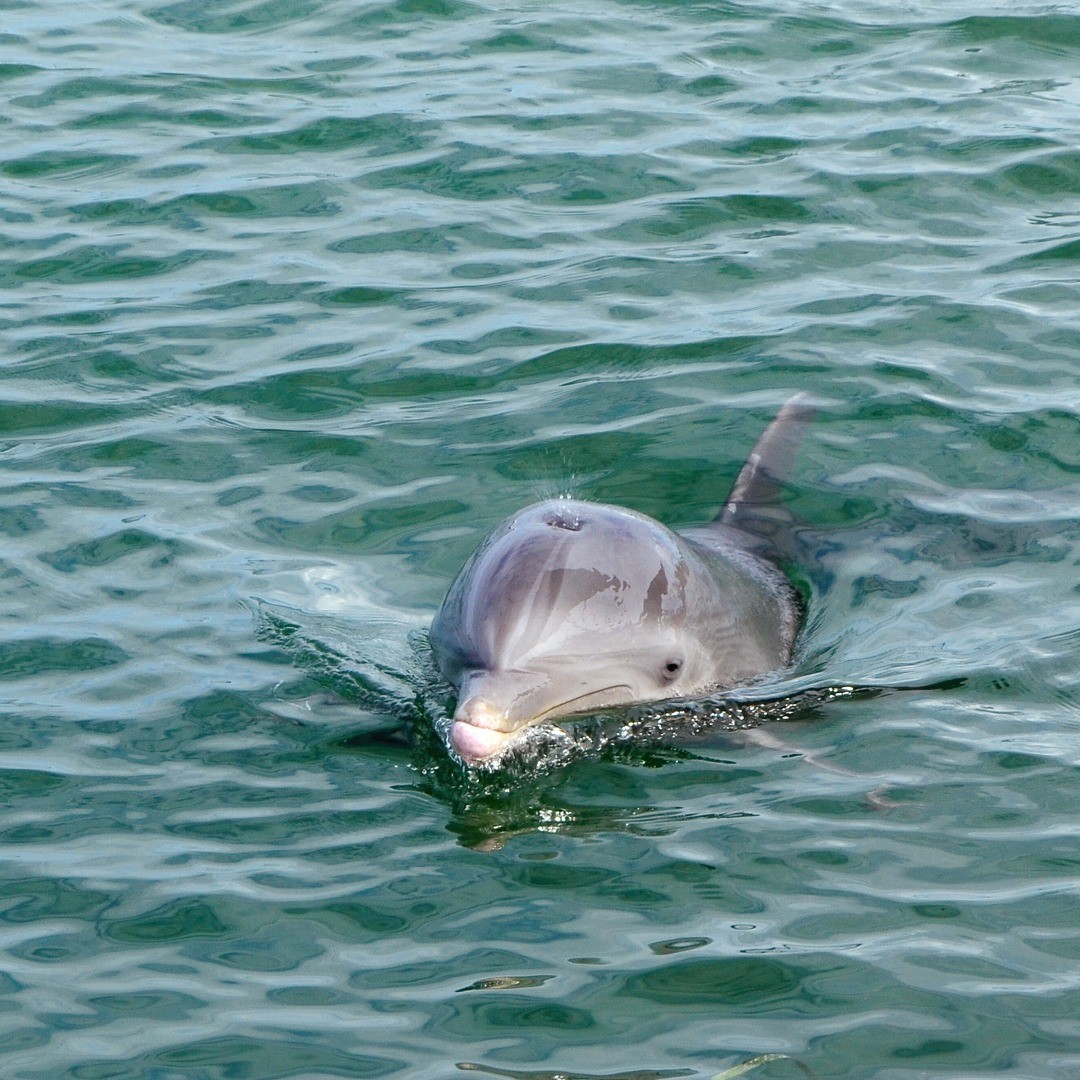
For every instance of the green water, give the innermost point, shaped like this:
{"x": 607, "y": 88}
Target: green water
{"x": 299, "y": 299}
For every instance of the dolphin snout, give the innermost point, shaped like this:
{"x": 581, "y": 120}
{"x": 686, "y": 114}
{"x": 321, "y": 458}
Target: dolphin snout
{"x": 480, "y": 712}
{"x": 494, "y": 707}
{"x": 475, "y": 743}
{"x": 479, "y": 729}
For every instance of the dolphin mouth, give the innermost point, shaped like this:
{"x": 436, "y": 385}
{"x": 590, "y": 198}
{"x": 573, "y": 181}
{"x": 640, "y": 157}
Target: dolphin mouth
{"x": 583, "y": 702}
{"x": 483, "y": 736}
{"x": 474, "y": 743}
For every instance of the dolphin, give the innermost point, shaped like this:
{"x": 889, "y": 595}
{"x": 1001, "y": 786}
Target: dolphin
{"x": 570, "y": 606}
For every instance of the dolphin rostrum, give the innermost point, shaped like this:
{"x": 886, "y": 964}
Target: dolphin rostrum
{"x": 571, "y": 606}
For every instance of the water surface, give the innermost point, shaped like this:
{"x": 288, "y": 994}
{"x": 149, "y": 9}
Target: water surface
{"x": 298, "y": 300}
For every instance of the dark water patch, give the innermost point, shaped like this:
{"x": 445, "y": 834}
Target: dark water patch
{"x": 629, "y": 357}
{"x": 1059, "y": 32}
{"x": 73, "y": 828}
{"x": 147, "y": 115}
{"x": 338, "y": 391}
{"x": 214, "y": 88}
{"x": 231, "y": 16}
{"x": 1065, "y": 253}
{"x": 991, "y": 149}
{"x": 20, "y": 520}
{"x": 237, "y": 825}
{"x": 103, "y": 550}
{"x": 309, "y": 997}
{"x": 616, "y": 124}
{"x": 1039, "y": 174}
{"x": 17, "y": 71}
{"x": 715, "y": 983}
{"x": 346, "y": 919}
{"x": 597, "y": 454}
{"x": 29, "y": 1039}
{"x": 130, "y": 212}
{"x": 177, "y": 920}
{"x": 545, "y": 1024}
{"x": 443, "y": 240}
{"x": 152, "y": 1004}
{"x": 710, "y": 86}
{"x": 854, "y": 304}
{"x": 556, "y": 179}
{"x": 504, "y": 339}
{"x": 31, "y": 899}
{"x": 553, "y": 877}
{"x": 78, "y": 494}
{"x": 831, "y": 106}
{"x": 28, "y": 783}
{"x": 751, "y": 148}
{"x": 252, "y": 292}
{"x": 265, "y": 1058}
{"x": 320, "y": 493}
{"x": 119, "y": 365}
{"x": 628, "y": 78}
{"x": 178, "y": 460}
{"x": 688, "y": 220}
{"x": 56, "y": 950}
{"x": 217, "y": 709}
{"x": 359, "y": 296}
{"x": 401, "y": 16}
{"x": 151, "y": 103}
{"x": 25, "y": 658}
{"x": 264, "y": 952}
{"x": 94, "y": 263}
{"x": 271, "y": 201}
{"x": 337, "y": 65}
{"x": 63, "y": 164}
{"x": 376, "y": 135}
{"x": 527, "y": 39}
{"x": 310, "y": 393}
{"x": 81, "y": 88}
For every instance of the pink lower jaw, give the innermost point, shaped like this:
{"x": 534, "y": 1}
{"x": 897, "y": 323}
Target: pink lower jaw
{"x": 475, "y": 743}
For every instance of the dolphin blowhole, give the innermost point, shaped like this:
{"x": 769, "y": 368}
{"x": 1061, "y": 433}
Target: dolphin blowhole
{"x": 566, "y": 522}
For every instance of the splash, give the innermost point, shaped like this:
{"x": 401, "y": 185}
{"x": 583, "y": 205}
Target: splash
{"x": 390, "y": 670}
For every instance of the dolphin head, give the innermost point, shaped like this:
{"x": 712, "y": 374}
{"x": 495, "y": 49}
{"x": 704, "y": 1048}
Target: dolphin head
{"x": 568, "y": 606}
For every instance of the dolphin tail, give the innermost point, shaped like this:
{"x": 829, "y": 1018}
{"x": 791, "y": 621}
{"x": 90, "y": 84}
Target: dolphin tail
{"x": 753, "y": 505}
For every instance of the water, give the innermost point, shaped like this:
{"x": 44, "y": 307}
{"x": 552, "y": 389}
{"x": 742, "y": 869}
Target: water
{"x": 300, "y": 299}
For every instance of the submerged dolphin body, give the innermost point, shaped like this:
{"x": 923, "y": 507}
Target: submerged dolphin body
{"x": 570, "y": 606}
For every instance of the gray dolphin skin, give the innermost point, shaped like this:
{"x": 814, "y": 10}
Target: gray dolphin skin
{"x": 571, "y": 606}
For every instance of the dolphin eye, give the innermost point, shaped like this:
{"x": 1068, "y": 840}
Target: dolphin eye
{"x": 672, "y": 668}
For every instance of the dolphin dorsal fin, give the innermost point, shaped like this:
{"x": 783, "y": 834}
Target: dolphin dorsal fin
{"x": 753, "y": 505}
